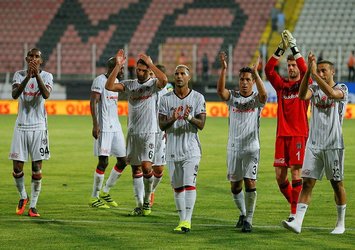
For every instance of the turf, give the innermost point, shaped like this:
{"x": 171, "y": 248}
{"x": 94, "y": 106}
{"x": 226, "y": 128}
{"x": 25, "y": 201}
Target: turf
{"x": 67, "y": 222}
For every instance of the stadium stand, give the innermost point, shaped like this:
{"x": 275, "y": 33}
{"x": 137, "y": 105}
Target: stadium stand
{"x": 143, "y": 25}
{"x": 324, "y": 26}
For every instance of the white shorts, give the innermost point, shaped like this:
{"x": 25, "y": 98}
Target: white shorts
{"x": 183, "y": 173}
{"x": 242, "y": 164}
{"x": 140, "y": 148}
{"x": 33, "y": 143}
{"x": 110, "y": 144}
{"x": 317, "y": 161}
{"x": 159, "y": 156}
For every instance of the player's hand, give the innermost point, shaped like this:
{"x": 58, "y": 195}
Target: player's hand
{"x": 287, "y": 35}
{"x": 96, "y": 132}
{"x": 312, "y": 63}
{"x": 223, "y": 59}
{"x": 120, "y": 57}
{"x": 176, "y": 113}
{"x": 256, "y": 65}
{"x": 33, "y": 68}
{"x": 146, "y": 59}
{"x": 187, "y": 113}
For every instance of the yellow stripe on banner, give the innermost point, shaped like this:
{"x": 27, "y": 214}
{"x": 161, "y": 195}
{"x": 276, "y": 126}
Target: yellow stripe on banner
{"x": 75, "y": 107}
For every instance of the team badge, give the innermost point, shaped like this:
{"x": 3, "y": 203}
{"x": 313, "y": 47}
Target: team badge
{"x": 151, "y": 145}
{"x": 44, "y": 141}
{"x": 298, "y": 145}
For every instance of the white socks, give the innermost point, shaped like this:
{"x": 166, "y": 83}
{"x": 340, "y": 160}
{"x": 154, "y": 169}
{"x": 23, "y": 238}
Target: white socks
{"x": 180, "y": 204}
{"x": 138, "y": 187}
{"x": 190, "y": 199}
{"x": 340, "y": 226}
{"x": 20, "y": 184}
{"x": 250, "y": 202}
{"x": 240, "y": 202}
{"x": 35, "y": 190}
{"x": 112, "y": 179}
{"x": 148, "y": 184}
{"x": 98, "y": 180}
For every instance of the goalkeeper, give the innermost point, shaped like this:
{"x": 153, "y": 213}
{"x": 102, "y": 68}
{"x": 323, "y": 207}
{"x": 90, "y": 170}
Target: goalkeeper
{"x": 292, "y": 123}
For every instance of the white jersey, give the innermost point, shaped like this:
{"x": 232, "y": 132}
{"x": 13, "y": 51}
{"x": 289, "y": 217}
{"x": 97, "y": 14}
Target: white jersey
{"x": 327, "y": 119}
{"x": 141, "y": 106}
{"x": 107, "y": 107}
{"x": 182, "y": 140}
{"x": 32, "y": 114}
{"x": 244, "y": 121}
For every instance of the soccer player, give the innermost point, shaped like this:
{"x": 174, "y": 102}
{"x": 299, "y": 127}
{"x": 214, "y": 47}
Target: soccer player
{"x": 325, "y": 145}
{"x": 108, "y": 135}
{"x": 243, "y": 149}
{"x": 142, "y": 125}
{"x": 181, "y": 114}
{"x": 292, "y": 123}
{"x": 31, "y": 87}
{"x": 159, "y": 156}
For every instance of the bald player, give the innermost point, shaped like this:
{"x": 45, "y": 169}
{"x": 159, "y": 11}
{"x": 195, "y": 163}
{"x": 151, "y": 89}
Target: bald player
{"x": 108, "y": 137}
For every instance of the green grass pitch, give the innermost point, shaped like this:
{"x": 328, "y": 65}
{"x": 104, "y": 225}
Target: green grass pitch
{"x": 67, "y": 222}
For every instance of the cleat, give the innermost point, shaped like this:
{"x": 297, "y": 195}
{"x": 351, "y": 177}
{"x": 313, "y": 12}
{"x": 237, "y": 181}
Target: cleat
{"x": 97, "y": 203}
{"x": 146, "y": 209}
{"x": 290, "y": 219}
{"x": 186, "y": 226}
{"x": 240, "y": 221}
{"x": 183, "y": 227}
{"x": 292, "y": 226}
{"x": 21, "y": 206}
{"x": 247, "y": 227}
{"x": 33, "y": 212}
{"x": 106, "y": 197}
{"x": 151, "y": 199}
{"x": 178, "y": 228}
{"x": 338, "y": 230}
{"x": 136, "y": 212}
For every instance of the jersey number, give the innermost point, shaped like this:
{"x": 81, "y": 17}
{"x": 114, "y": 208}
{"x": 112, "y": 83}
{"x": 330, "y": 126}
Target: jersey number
{"x": 298, "y": 154}
{"x": 150, "y": 155}
{"x": 44, "y": 151}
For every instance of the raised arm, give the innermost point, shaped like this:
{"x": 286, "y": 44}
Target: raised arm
{"x": 162, "y": 79}
{"x": 259, "y": 83}
{"x": 327, "y": 88}
{"x": 304, "y": 92}
{"x": 110, "y": 83}
{"x": 270, "y": 72}
{"x": 222, "y": 92}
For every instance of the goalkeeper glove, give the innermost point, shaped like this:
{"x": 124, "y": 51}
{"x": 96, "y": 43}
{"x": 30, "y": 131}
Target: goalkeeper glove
{"x": 287, "y": 36}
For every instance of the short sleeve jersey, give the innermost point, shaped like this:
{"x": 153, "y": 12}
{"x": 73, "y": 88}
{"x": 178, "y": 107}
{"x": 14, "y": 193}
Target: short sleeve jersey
{"x": 32, "y": 114}
{"x": 182, "y": 138}
{"x": 244, "y": 121}
{"x": 142, "y": 115}
{"x": 107, "y": 107}
{"x": 327, "y": 119}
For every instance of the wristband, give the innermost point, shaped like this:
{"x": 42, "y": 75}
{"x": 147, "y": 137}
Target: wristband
{"x": 295, "y": 50}
{"x": 279, "y": 52}
{"x": 189, "y": 117}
